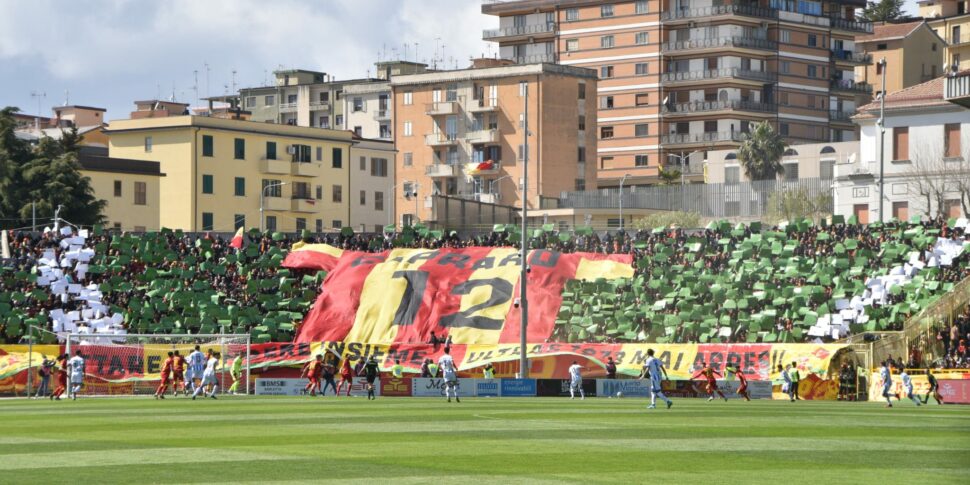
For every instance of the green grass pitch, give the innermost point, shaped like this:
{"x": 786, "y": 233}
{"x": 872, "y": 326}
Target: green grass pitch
{"x": 483, "y": 440}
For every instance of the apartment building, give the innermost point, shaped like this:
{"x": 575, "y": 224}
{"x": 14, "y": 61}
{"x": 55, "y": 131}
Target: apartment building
{"x": 372, "y": 184}
{"x": 462, "y": 133}
{"x": 951, "y": 21}
{"x": 219, "y": 173}
{"x": 129, "y": 187}
{"x": 682, "y": 77}
{"x": 914, "y": 54}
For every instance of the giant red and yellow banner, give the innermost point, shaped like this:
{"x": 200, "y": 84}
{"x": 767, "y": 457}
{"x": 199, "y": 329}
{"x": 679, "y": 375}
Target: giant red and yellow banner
{"x": 469, "y": 294}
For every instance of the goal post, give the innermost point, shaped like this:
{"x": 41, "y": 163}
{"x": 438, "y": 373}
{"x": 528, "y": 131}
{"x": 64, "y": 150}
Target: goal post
{"x": 131, "y": 364}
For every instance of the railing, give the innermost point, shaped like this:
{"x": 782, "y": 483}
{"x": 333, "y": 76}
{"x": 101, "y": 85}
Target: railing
{"x": 707, "y": 137}
{"x": 856, "y": 57}
{"x": 483, "y": 104}
{"x": 434, "y": 139}
{"x": 319, "y": 105}
{"x": 532, "y": 29}
{"x": 962, "y": 39}
{"x": 846, "y": 85}
{"x": 701, "y": 12}
{"x": 382, "y": 115}
{"x": 440, "y": 170}
{"x": 534, "y": 58}
{"x": 853, "y": 25}
{"x": 481, "y": 136}
{"x": 442, "y": 108}
{"x": 836, "y": 115}
{"x": 956, "y": 88}
{"x": 727, "y": 72}
{"x": 736, "y": 41}
{"x": 855, "y": 169}
{"x": 287, "y": 107}
{"x": 686, "y": 169}
{"x": 703, "y": 106}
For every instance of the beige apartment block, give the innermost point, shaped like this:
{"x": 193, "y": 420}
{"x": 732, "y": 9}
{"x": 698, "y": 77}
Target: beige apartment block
{"x": 913, "y": 52}
{"x": 679, "y": 78}
{"x": 462, "y": 133}
{"x": 950, "y": 20}
{"x": 371, "y": 168}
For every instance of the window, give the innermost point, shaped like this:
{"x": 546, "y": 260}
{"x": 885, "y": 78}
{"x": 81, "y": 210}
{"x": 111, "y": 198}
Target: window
{"x": 274, "y": 190}
{"x": 606, "y": 72}
{"x": 358, "y": 104}
{"x": 207, "y": 184}
{"x": 951, "y": 140}
{"x": 826, "y": 169}
{"x": 642, "y": 68}
{"x": 338, "y": 121}
{"x": 141, "y": 195}
{"x": 881, "y": 47}
{"x": 239, "y": 152}
{"x": 207, "y": 221}
{"x": 732, "y": 175}
{"x": 239, "y": 220}
{"x": 379, "y": 201}
{"x": 521, "y": 152}
{"x": 641, "y": 160}
{"x": 640, "y": 7}
{"x": 581, "y": 154}
{"x": 582, "y": 90}
{"x": 582, "y": 123}
{"x": 338, "y": 157}
{"x": 812, "y": 40}
{"x": 408, "y": 98}
{"x": 785, "y": 67}
{"x": 785, "y": 36}
{"x": 407, "y": 128}
{"x": 301, "y": 153}
{"x": 319, "y": 225}
{"x": 291, "y": 98}
{"x": 301, "y": 190}
{"x": 812, "y": 71}
{"x": 378, "y": 167}
{"x": 250, "y": 101}
{"x": 572, "y": 14}
{"x": 523, "y": 87}
{"x": 643, "y": 99}
{"x": 606, "y": 11}
{"x": 783, "y": 98}
{"x": 300, "y": 224}
{"x": 363, "y": 197}
{"x": 606, "y": 41}
{"x": 580, "y": 185}
{"x": 408, "y": 159}
{"x": 338, "y": 194}
{"x": 783, "y": 129}
{"x": 642, "y": 129}
{"x": 363, "y": 163}
{"x": 319, "y": 192}
{"x": 240, "y": 187}
{"x": 337, "y": 224}
{"x": 319, "y": 154}
{"x": 207, "y": 146}
{"x": 791, "y": 172}
{"x": 358, "y": 130}
{"x": 148, "y": 144}
{"x": 606, "y": 102}
{"x": 271, "y": 223}
{"x": 606, "y": 132}
{"x": 604, "y": 161}
{"x": 878, "y": 69}
{"x": 324, "y": 122}
{"x": 269, "y": 100}
{"x": 901, "y": 143}
{"x": 572, "y": 45}
{"x": 117, "y": 188}
{"x": 642, "y": 38}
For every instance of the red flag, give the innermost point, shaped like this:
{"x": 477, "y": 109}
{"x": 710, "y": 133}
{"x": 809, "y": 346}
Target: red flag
{"x": 237, "y": 240}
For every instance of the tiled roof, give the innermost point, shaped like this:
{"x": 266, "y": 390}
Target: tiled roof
{"x": 927, "y": 94}
{"x": 890, "y": 31}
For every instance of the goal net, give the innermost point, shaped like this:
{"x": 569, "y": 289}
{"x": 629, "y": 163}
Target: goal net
{"x": 131, "y": 364}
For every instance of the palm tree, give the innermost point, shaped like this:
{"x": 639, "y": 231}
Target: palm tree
{"x": 760, "y": 153}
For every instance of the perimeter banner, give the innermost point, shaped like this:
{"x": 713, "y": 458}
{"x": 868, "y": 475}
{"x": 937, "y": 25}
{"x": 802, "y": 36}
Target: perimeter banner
{"x": 467, "y": 294}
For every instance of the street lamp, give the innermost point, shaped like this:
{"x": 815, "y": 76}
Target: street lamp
{"x": 262, "y": 196}
{"x": 623, "y": 179}
{"x": 491, "y": 184}
{"x": 683, "y": 157}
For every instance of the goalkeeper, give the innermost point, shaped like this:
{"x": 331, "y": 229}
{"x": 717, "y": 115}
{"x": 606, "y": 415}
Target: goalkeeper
{"x": 236, "y": 372}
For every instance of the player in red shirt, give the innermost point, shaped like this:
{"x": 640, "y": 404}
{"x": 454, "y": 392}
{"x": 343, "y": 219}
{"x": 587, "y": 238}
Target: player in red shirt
{"x": 708, "y": 372}
{"x": 178, "y": 374}
{"x": 61, "y": 377}
{"x": 743, "y": 383}
{"x": 312, "y": 372}
{"x": 346, "y": 376}
{"x": 166, "y": 374}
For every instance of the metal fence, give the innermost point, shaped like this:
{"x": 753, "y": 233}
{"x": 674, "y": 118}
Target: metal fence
{"x": 744, "y": 199}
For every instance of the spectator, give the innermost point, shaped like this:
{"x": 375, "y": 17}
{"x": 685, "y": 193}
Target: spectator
{"x": 610, "y": 368}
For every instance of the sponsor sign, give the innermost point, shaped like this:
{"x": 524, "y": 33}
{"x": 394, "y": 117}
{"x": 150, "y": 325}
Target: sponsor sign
{"x": 280, "y": 387}
{"x": 629, "y": 387}
{"x": 954, "y": 392}
{"x": 560, "y": 387}
{"x": 488, "y": 388}
{"x": 435, "y": 387}
{"x": 396, "y": 387}
{"x": 518, "y": 387}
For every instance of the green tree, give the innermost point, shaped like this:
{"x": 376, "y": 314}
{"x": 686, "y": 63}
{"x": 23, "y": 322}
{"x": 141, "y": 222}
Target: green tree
{"x": 883, "y": 10}
{"x": 789, "y": 205}
{"x": 668, "y": 177}
{"x": 760, "y": 153}
{"x": 687, "y": 220}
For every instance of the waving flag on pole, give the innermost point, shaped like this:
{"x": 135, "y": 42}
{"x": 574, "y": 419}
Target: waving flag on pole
{"x": 237, "y": 240}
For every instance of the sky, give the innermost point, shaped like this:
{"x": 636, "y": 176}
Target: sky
{"x": 109, "y": 53}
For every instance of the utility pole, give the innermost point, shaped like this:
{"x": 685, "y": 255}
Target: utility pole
{"x": 523, "y": 299}
{"x": 882, "y": 136}
{"x": 33, "y": 221}
{"x": 621, "y": 200}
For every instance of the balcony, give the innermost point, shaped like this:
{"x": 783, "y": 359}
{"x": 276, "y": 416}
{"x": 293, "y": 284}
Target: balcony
{"x": 736, "y": 42}
{"x": 482, "y": 136}
{"x": 856, "y": 170}
{"x": 482, "y": 105}
{"x": 715, "y": 74}
{"x": 441, "y": 139}
{"x": 840, "y": 116}
{"x": 303, "y": 203}
{"x": 534, "y": 58}
{"x": 319, "y": 106}
{"x": 442, "y": 108}
{"x": 473, "y": 167}
{"x": 287, "y": 107}
{"x": 673, "y": 109}
{"x": 838, "y": 23}
{"x": 302, "y": 169}
{"x": 708, "y": 138}
{"x": 956, "y": 88}
{"x": 382, "y": 115}
{"x": 705, "y": 12}
{"x": 850, "y": 57}
{"x": 846, "y": 86}
{"x": 520, "y": 31}
{"x": 276, "y": 204}
{"x": 274, "y": 166}
{"x": 440, "y": 170}
{"x": 687, "y": 169}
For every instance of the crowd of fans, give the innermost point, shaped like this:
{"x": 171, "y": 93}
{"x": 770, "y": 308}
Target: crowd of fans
{"x": 682, "y": 267}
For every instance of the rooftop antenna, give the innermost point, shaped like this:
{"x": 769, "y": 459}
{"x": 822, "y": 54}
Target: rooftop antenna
{"x": 67, "y": 97}
{"x": 206, "y": 64}
{"x": 405, "y": 51}
{"x": 38, "y": 95}
{"x": 265, "y": 77}
{"x": 195, "y": 85}
{"x": 416, "y": 44}
{"x": 172, "y": 98}
{"x": 233, "y": 81}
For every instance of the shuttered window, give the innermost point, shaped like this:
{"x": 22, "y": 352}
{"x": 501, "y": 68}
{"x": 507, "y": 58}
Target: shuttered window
{"x": 951, "y": 139}
{"x": 901, "y": 143}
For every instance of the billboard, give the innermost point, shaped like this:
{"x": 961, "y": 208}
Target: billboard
{"x": 435, "y": 387}
{"x": 518, "y": 387}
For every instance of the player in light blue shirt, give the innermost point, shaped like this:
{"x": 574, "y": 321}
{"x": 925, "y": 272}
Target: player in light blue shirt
{"x": 887, "y": 381}
{"x": 197, "y": 362}
{"x": 654, "y": 369}
{"x": 76, "y": 365}
{"x": 908, "y": 386}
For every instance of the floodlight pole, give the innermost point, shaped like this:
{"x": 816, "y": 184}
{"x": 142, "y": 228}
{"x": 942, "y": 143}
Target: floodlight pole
{"x": 523, "y": 299}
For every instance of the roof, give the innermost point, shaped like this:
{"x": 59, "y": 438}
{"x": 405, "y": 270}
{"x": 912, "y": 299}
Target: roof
{"x": 491, "y": 73}
{"x": 231, "y": 125}
{"x": 928, "y": 94}
{"x": 78, "y": 106}
{"x": 890, "y": 31}
{"x": 97, "y": 163}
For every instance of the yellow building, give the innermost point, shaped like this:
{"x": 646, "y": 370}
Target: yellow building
{"x": 216, "y": 171}
{"x": 130, "y": 187}
{"x": 913, "y": 53}
{"x": 951, "y": 21}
